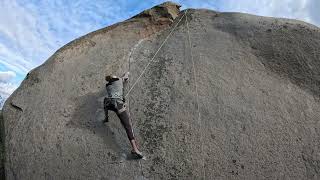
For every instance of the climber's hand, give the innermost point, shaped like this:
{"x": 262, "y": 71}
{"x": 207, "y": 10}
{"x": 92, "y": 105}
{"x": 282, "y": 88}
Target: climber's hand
{"x": 125, "y": 77}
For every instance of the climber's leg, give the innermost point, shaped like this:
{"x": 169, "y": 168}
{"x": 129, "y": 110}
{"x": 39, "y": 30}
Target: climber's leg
{"x": 134, "y": 145}
{"x": 109, "y": 105}
{"x": 126, "y": 123}
{"x": 135, "y": 150}
{"x": 124, "y": 117}
{"x": 105, "y": 107}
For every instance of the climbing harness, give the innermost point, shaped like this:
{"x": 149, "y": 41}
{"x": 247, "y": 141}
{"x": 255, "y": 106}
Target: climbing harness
{"x": 146, "y": 67}
{"x": 197, "y": 97}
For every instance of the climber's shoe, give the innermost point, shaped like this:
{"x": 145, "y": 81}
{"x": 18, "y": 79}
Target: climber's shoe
{"x": 137, "y": 155}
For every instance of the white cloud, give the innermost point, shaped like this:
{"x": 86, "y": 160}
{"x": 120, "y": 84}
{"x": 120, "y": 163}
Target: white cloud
{"x": 7, "y": 76}
{"x": 314, "y": 11}
{"x": 305, "y": 10}
{"x": 6, "y": 89}
{"x": 14, "y": 61}
{"x": 19, "y": 38}
{"x": 31, "y": 31}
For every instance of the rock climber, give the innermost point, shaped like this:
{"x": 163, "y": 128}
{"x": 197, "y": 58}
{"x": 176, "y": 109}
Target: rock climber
{"x": 115, "y": 101}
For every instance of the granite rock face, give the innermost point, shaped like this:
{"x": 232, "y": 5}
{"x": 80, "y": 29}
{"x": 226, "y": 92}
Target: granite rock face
{"x": 257, "y": 88}
{"x": 2, "y": 171}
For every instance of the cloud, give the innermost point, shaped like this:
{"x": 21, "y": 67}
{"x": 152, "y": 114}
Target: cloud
{"x": 6, "y": 89}
{"x": 7, "y": 76}
{"x": 305, "y": 10}
{"x": 20, "y": 44}
{"x": 314, "y": 8}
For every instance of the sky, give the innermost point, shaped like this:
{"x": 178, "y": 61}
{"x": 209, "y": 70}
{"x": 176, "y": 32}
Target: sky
{"x": 32, "y": 30}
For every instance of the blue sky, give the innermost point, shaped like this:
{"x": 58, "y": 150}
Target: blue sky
{"x": 32, "y": 30}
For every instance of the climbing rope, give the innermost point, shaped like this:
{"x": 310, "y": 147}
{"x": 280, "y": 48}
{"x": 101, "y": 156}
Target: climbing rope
{"x": 195, "y": 79}
{"x": 165, "y": 40}
{"x": 197, "y": 96}
{"x": 146, "y": 67}
{"x": 129, "y": 110}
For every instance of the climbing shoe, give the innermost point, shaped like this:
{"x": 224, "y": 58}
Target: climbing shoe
{"x": 137, "y": 155}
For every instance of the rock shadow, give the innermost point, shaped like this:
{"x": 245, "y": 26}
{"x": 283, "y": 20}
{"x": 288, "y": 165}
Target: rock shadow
{"x": 89, "y": 115}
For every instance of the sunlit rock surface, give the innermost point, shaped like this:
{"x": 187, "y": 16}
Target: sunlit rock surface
{"x": 258, "y": 89}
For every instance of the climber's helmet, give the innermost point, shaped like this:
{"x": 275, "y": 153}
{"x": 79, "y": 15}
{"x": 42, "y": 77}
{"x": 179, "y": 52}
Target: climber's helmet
{"x": 110, "y": 78}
